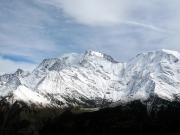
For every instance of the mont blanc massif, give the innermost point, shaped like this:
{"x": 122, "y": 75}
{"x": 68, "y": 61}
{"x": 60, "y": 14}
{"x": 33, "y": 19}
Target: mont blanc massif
{"x": 92, "y": 93}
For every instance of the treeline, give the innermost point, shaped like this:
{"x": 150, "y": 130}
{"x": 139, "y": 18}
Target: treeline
{"x": 133, "y": 118}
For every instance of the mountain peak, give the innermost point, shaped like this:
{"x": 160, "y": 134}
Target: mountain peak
{"x": 158, "y": 56}
{"x": 71, "y": 58}
{"x": 19, "y": 71}
{"x": 96, "y": 54}
{"x": 46, "y": 64}
{"x": 175, "y": 53}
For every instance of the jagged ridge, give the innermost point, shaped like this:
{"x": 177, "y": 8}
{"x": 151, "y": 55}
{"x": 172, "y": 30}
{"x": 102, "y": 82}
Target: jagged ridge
{"x": 94, "y": 79}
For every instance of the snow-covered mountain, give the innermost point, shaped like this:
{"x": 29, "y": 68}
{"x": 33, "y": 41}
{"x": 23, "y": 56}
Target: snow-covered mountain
{"x": 95, "y": 78}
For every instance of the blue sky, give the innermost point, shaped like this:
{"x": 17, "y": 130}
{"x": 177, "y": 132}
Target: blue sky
{"x": 31, "y": 30}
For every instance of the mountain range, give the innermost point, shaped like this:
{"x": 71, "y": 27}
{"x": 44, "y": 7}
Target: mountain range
{"x": 95, "y": 79}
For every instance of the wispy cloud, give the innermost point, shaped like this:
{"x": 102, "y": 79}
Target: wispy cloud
{"x": 23, "y": 31}
{"x": 114, "y": 12}
{"x": 147, "y": 26}
{"x": 37, "y": 29}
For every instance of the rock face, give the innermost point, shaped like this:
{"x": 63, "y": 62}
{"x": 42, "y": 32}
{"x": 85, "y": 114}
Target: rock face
{"x": 94, "y": 79}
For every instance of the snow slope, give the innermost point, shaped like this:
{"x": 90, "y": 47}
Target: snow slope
{"x": 94, "y": 78}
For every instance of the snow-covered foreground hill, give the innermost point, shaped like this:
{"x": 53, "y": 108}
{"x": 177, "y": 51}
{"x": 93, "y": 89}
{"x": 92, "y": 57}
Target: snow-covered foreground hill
{"x": 93, "y": 79}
